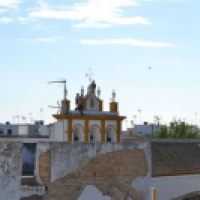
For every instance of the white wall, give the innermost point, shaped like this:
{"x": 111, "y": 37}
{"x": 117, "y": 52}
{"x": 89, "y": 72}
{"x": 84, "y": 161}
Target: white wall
{"x": 145, "y": 130}
{"x": 95, "y": 122}
{"x": 44, "y": 130}
{"x": 110, "y": 123}
{"x": 77, "y": 122}
{"x": 23, "y": 130}
{"x": 58, "y": 131}
{"x": 171, "y": 187}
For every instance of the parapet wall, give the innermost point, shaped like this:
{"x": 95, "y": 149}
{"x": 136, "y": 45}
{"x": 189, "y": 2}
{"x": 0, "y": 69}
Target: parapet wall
{"x": 118, "y": 170}
{"x": 10, "y": 170}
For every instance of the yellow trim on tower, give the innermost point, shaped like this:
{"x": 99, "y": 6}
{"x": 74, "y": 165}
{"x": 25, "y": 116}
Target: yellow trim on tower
{"x": 103, "y": 131}
{"x": 70, "y": 130}
{"x": 118, "y": 130}
{"x": 86, "y": 133}
{"x": 86, "y": 129}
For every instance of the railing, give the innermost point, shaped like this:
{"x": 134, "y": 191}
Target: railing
{"x": 27, "y": 191}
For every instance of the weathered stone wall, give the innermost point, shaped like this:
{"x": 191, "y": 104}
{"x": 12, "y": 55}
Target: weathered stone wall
{"x": 10, "y": 170}
{"x": 118, "y": 170}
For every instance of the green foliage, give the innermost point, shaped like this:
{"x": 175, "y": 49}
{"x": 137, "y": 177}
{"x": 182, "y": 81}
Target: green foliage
{"x": 177, "y": 129}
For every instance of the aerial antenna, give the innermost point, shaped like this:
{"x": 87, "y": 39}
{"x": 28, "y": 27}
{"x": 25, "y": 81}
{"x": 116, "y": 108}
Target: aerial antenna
{"x": 41, "y": 113}
{"x": 59, "y": 107}
{"x": 64, "y": 81}
{"x": 89, "y": 75}
{"x": 30, "y": 115}
{"x": 17, "y": 118}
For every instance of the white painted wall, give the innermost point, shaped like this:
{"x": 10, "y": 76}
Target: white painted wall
{"x": 58, "y": 131}
{"x": 78, "y": 132}
{"x": 77, "y": 122}
{"x": 23, "y": 130}
{"x": 44, "y": 130}
{"x": 145, "y": 130}
{"x": 111, "y": 133}
{"x": 110, "y": 123}
{"x": 96, "y": 104}
{"x": 91, "y": 192}
{"x": 94, "y": 132}
{"x": 171, "y": 187}
{"x": 95, "y": 122}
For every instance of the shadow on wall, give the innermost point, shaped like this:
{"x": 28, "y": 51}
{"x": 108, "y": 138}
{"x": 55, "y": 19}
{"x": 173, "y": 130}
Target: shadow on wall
{"x": 28, "y": 159}
{"x": 91, "y": 192}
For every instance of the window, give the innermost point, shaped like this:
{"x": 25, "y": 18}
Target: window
{"x": 9, "y": 131}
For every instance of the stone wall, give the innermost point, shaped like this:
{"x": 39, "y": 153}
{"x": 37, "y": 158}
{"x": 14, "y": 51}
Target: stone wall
{"x": 10, "y": 170}
{"x": 119, "y": 170}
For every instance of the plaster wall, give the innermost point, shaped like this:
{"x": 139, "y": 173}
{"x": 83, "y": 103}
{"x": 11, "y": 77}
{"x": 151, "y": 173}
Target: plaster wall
{"x": 96, "y": 105}
{"x": 58, "y": 130}
{"x": 77, "y": 122}
{"x": 10, "y": 170}
{"x": 14, "y": 128}
{"x": 175, "y": 186}
{"x": 95, "y": 122}
{"x": 23, "y": 130}
{"x": 110, "y": 123}
{"x": 117, "y": 170}
{"x": 145, "y": 130}
{"x": 44, "y": 130}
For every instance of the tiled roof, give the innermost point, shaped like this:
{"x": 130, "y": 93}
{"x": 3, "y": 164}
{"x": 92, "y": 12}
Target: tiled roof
{"x": 190, "y": 196}
{"x": 171, "y": 158}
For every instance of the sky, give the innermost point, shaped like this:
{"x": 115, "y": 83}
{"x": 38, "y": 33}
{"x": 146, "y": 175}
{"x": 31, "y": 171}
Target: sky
{"x": 119, "y": 40}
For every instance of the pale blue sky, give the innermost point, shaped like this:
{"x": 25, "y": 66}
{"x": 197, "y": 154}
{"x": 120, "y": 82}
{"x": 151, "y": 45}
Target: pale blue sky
{"x": 118, "y": 39}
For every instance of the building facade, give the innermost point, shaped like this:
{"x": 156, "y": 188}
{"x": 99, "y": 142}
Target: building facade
{"x": 38, "y": 128}
{"x": 93, "y": 125}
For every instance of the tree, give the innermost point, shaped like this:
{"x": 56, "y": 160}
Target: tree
{"x": 177, "y": 129}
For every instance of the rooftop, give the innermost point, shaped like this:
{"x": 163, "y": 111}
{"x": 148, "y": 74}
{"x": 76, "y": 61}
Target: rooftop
{"x": 175, "y": 157}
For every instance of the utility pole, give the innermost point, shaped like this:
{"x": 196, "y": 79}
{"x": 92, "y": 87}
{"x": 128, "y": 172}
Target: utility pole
{"x": 135, "y": 118}
{"x": 195, "y": 118}
{"x": 41, "y": 114}
{"x": 63, "y": 111}
{"x": 140, "y": 114}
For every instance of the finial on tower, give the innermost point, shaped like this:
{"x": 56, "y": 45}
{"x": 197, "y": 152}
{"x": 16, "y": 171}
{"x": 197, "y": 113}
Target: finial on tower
{"x": 98, "y": 92}
{"x": 113, "y": 96}
{"x": 89, "y": 75}
{"x": 82, "y": 91}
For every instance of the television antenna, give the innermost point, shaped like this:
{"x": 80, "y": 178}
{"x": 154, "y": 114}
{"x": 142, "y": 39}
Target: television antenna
{"x": 59, "y": 108}
{"x": 65, "y": 87}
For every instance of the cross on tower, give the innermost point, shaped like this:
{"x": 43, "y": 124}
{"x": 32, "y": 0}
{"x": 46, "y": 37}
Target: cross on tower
{"x": 89, "y": 75}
